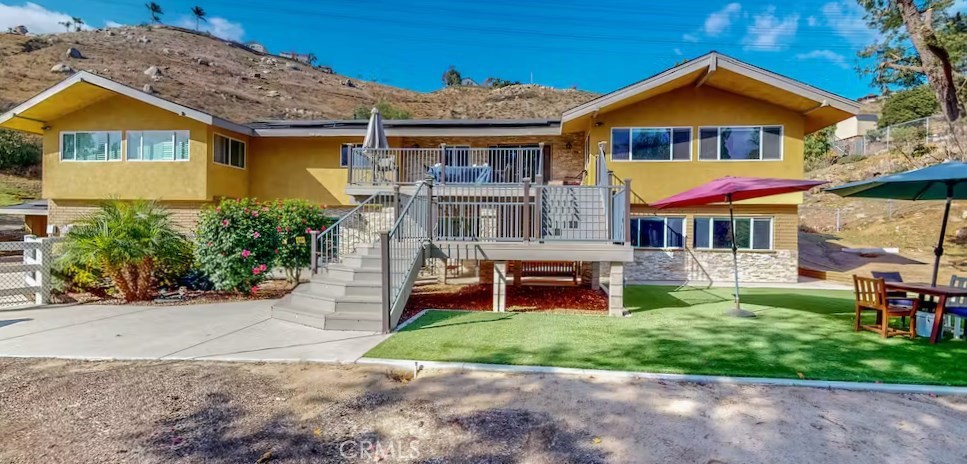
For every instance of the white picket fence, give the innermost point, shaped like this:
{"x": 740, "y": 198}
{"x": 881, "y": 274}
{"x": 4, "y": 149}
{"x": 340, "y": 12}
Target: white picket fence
{"x": 25, "y": 276}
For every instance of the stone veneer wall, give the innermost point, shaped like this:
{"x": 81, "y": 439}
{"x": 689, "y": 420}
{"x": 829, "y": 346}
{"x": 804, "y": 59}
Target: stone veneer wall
{"x": 64, "y": 212}
{"x": 715, "y": 266}
{"x": 564, "y": 161}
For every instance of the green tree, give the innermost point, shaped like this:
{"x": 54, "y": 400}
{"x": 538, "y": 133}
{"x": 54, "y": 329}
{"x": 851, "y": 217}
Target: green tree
{"x": 78, "y": 23}
{"x": 816, "y": 146}
{"x": 386, "y": 109}
{"x": 496, "y": 82}
{"x": 906, "y": 105}
{"x": 18, "y": 150}
{"x": 452, "y": 77}
{"x": 296, "y": 219}
{"x": 127, "y": 242}
{"x": 237, "y": 243}
{"x": 919, "y": 41}
{"x": 155, "y": 10}
{"x": 199, "y": 14}
{"x": 67, "y": 24}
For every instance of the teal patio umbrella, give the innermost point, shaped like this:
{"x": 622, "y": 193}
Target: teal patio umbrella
{"x": 945, "y": 181}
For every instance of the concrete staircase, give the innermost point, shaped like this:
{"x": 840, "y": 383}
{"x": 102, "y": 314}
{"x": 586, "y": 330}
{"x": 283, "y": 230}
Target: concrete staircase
{"x": 573, "y": 214}
{"x": 342, "y": 296}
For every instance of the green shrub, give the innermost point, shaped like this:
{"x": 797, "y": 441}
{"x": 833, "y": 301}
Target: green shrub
{"x": 18, "y": 150}
{"x": 236, "y": 244}
{"x": 295, "y": 220}
{"x": 127, "y": 242}
{"x": 386, "y": 109}
{"x": 69, "y": 277}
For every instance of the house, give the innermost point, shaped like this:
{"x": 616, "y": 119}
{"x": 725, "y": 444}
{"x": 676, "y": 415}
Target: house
{"x": 304, "y": 58}
{"x": 505, "y": 193}
{"x": 256, "y": 46}
{"x": 856, "y": 126}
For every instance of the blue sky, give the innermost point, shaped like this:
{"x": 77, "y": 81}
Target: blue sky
{"x": 597, "y": 46}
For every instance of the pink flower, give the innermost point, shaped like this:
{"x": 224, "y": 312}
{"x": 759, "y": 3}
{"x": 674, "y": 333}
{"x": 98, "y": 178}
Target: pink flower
{"x": 256, "y": 234}
{"x": 276, "y": 251}
{"x": 255, "y": 289}
{"x": 322, "y": 229}
{"x": 256, "y": 270}
{"x": 225, "y": 223}
{"x": 308, "y": 230}
{"x": 218, "y": 209}
{"x": 263, "y": 267}
{"x": 209, "y": 243}
{"x": 245, "y": 253}
{"x": 278, "y": 229}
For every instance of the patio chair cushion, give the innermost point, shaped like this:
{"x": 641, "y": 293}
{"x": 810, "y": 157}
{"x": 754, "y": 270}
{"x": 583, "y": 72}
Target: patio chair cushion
{"x": 959, "y": 311}
{"x": 906, "y": 302}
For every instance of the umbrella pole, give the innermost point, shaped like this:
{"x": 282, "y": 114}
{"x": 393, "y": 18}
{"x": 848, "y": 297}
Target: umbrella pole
{"x": 737, "y": 311}
{"x": 938, "y": 252}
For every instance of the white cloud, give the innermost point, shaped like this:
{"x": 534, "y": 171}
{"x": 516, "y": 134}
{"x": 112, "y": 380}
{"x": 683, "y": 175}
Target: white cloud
{"x": 828, "y": 55}
{"x": 719, "y": 21}
{"x": 690, "y": 38}
{"x": 216, "y": 26}
{"x": 846, "y": 19}
{"x": 770, "y": 33}
{"x": 36, "y": 18}
{"x": 110, "y": 23}
{"x": 678, "y": 51}
{"x": 812, "y": 21}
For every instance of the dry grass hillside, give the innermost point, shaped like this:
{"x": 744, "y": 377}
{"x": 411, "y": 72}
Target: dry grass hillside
{"x": 239, "y": 84}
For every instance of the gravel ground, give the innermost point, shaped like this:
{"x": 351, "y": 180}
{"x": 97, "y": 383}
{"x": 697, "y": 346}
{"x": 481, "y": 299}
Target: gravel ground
{"x": 55, "y": 411}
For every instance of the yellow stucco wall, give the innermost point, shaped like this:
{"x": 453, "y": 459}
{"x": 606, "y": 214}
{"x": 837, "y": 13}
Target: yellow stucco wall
{"x": 695, "y": 107}
{"x": 300, "y": 167}
{"x": 158, "y": 180}
{"x": 228, "y": 181}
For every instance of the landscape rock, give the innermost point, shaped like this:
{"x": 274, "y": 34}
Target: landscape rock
{"x": 74, "y": 53}
{"x": 166, "y": 51}
{"x": 960, "y": 237}
{"x": 153, "y": 72}
{"x": 61, "y": 68}
{"x": 203, "y": 61}
{"x": 348, "y": 83}
{"x": 147, "y": 88}
{"x": 273, "y": 93}
{"x": 293, "y": 66}
{"x": 144, "y": 39}
{"x": 18, "y": 30}
{"x": 325, "y": 69}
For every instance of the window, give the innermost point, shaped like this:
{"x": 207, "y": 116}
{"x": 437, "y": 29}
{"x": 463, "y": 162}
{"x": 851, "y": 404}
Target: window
{"x": 658, "y": 232}
{"x": 90, "y": 146}
{"x": 229, "y": 151}
{"x": 750, "y": 233}
{"x": 157, "y": 145}
{"x": 458, "y": 155}
{"x": 345, "y": 150}
{"x": 740, "y": 143}
{"x": 651, "y": 143}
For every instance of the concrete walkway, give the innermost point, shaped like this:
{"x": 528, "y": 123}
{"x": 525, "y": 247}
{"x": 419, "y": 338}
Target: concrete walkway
{"x": 234, "y": 331}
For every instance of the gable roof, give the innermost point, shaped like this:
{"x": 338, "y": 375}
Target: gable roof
{"x": 83, "y": 89}
{"x": 821, "y": 108}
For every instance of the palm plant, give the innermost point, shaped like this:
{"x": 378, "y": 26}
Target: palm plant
{"x": 67, "y": 24}
{"x": 78, "y": 23}
{"x": 199, "y": 14}
{"x": 156, "y": 11}
{"x": 128, "y": 242}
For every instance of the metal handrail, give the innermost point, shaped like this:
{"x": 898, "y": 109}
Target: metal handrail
{"x": 331, "y": 243}
{"x": 401, "y": 249}
{"x": 446, "y": 165}
{"x": 617, "y": 181}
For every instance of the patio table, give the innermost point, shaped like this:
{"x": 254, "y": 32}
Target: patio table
{"x": 942, "y": 292}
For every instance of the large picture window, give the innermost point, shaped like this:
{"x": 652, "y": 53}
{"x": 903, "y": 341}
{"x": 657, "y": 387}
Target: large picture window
{"x": 750, "y": 233}
{"x": 157, "y": 145}
{"x": 346, "y": 150}
{"x": 651, "y": 143}
{"x": 90, "y": 146}
{"x": 740, "y": 143}
{"x": 229, "y": 151}
{"x": 658, "y": 232}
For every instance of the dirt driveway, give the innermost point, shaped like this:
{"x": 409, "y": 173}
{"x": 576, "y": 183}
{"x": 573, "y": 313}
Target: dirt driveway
{"x": 70, "y": 411}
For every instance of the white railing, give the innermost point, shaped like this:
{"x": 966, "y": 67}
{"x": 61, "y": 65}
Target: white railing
{"x": 26, "y": 279}
{"x": 359, "y": 227}
{"x": 445, "y": 165}
{"x": 401, "y": 250}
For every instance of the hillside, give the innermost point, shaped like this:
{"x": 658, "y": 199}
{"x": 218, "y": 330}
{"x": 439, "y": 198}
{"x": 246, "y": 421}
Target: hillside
{"x": 231, "y": 81}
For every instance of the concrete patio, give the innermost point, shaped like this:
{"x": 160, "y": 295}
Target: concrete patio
{"x": 233, "y": 331}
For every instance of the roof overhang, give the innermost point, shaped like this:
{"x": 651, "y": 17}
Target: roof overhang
{"x": 818, "y": 107}
{"x": 83, "y": 89}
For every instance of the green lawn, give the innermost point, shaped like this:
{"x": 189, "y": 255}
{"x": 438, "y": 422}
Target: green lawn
{"x": 806, "y": 334}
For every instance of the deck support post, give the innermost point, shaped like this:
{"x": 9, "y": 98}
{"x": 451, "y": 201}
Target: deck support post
{"x": 500, "y": 286}
{"x": 616, "y": 290}
{"x": 595, "y": 275}
{"x": 518, "y": 272}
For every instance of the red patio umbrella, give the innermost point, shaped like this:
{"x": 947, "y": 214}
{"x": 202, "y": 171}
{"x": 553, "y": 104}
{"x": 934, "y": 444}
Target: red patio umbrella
{"x": 726, "y": 190}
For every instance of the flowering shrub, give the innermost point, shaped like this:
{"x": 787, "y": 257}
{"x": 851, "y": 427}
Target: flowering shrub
{"x": 296, "y": 219}
{"x": 237, "y": 242}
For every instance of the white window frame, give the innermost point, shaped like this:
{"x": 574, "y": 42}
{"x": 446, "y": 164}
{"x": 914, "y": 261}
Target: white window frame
{"x": 352, "y": 146}
{"x": 127, "y": 147}
{"x": 752, "y": 219}
{"x": 229, "y": 164}
{"x": 718, "y": 142}
{"x": 667, "y": 231}
{"x": 671, "y": 146}
{"x": 107, "y": 159}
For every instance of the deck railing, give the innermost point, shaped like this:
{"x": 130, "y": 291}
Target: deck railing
{"x": 401, "y": 247}
{"x": 445, "y": 165}
{"x": 359, "y": 227}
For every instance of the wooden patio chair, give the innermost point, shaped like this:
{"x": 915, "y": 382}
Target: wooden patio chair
{"x": 871, "y": 295}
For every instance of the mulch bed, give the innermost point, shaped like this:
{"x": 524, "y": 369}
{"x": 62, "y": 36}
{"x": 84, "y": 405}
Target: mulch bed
{"x": 270, "y": 289}
{"x": 479, "y": 297}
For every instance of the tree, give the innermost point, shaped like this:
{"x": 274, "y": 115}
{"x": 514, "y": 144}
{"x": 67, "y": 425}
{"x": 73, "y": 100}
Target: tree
{"x": 18, "y": 150}
{"x": 127, "y": 242}
{"x": 906, "y": 105}
{"x": 496, "y": 82}
{"x": 78, "y": 23}
{"x": 816, "y": 146}
{"x": 155, "y": 10}
{"x": 452, "y": 77}
{"x": 938, "y": 47}
{"x": 311, "y": 59}
{"x": 386, "y": 109}
{"x": 67, "y": 24}
{"x": 199, "y": 14}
